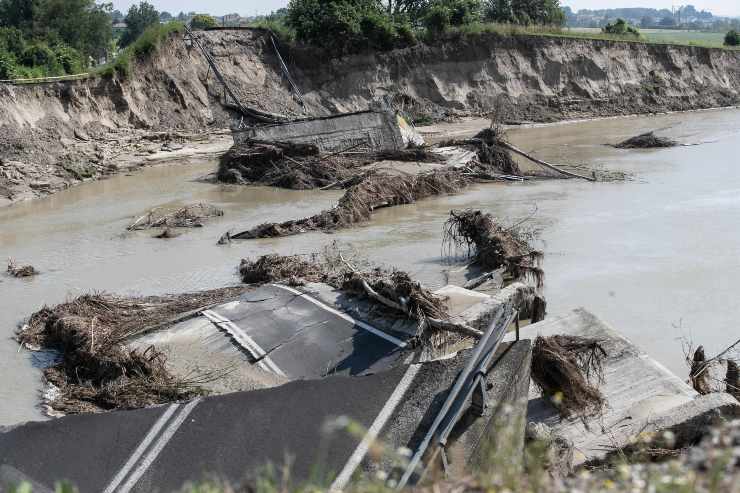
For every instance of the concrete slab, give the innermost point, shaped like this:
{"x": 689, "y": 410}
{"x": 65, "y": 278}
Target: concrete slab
{"x": 460, "y": 299}
{"x": 273, "y": 334}
{"x": 361, "y": 131}
{"x": 641, "y": 394}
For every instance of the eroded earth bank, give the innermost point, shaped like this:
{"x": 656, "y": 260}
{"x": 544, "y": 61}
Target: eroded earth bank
{"x": 171, "y": 105}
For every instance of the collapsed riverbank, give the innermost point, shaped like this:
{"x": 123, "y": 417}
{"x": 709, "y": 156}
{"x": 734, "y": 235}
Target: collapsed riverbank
{"x": 57, "y": 134}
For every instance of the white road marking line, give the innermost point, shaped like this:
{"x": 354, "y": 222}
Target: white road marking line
{"x": 131, "y": 462}
{"x": 166, "y": 436}
{"x": 241, "y": 337}
{"x": 372, "y": 434}
{"x": 359, "y": 323}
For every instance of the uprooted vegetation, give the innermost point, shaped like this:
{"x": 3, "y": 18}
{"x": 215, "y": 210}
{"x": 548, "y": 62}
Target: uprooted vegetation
{"x": 359, "y": 201}
{"x": 188, "y": 216}
{"x": 393, "y": 292}
{"x": 567, "y": 369}
{"x": 286, "y": 165}
{"x": 302, "y": 166}
{"x": 96, "y": 371}
{"x": 648, "y": 140}
{"x": 16, "y": 270}
{"x": 491, "y": 245}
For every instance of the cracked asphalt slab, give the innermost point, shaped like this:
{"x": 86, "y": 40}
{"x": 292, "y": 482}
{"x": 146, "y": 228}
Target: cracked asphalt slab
{"x": 231, "y": 437}
{"x": 306, "y": 338}
{"x": 234, "y": 437}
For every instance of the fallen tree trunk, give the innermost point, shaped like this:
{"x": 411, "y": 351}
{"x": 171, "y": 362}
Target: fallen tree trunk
{"x": 543, "y": 163}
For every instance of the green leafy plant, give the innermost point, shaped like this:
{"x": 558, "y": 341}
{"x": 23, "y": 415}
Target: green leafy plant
{"x": 202, "y": 21}
{"x": 732, "y": 38}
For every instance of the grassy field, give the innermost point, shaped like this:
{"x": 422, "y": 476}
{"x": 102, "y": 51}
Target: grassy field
{"x": 667, "y": 36}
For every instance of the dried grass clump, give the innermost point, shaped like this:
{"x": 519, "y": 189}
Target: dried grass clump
{"x": 277, "y": 268}
{"x": 97, "y": 372}
{"x": 563, "y": 368}
{"x": 648, "y": 140}
{"x": 16, "y": 270}
{"x": 189, "y": 216}
{"x": 359, "y": 202}
{"x": 491, "y": 245}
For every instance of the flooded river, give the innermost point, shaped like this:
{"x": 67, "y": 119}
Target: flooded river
{"x": 656, "y": 257}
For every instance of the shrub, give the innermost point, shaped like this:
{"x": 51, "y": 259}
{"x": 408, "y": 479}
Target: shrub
{"x": 378, "y": 30}
{"x": 621, "y": 28}
{"x": 70, "y": 59}
{"x": 202, "y": 21}
{"x": 12, "y": 41}
{"x": 464, "y": 12}
{"x": 8, "y": 68}
{"x": 39, "y": 55}
{"x": 732, "y": 38}
{"x": 405, "y": 33}
{"x": 437, "y": 18}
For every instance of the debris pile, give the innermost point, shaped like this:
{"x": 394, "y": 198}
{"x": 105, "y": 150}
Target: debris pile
{"x": 491, "y": 245}
{"x": 96, "y": 371}
{"x": 395, "y": 292}
{"x": 189, "y": 216}
{"x": 287, "y": 165}
{"x": 16, "y": 270}
{"x": 293, "y": 269}
{"x": 563, "y": 368}
{"x": 648, "y": 140}
{"x": 358, "y": 203}
{"x": 491, "y": 151}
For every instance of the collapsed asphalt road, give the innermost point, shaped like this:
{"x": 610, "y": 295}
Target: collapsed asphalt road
{"x": 232, "y": 437}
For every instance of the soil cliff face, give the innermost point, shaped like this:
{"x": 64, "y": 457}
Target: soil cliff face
{"x": 54, "y": 135}
{"x": 543, "y": 78}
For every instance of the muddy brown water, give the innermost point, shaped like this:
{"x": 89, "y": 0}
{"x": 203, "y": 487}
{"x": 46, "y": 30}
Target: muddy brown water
{"x": 657, "y": 257}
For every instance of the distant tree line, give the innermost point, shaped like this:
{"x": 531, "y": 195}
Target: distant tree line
{"x": 51, "y": 37}
{"x": 382, "y": 24}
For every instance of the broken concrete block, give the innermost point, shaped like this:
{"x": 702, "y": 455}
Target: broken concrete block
{"x": 641, "y": 394}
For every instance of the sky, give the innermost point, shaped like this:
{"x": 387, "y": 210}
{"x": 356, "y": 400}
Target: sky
{"x": 252, "y": 7}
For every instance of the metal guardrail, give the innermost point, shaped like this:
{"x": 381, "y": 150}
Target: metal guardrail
{"x": 471, "y": 377}
{"x": 42, "y": 80}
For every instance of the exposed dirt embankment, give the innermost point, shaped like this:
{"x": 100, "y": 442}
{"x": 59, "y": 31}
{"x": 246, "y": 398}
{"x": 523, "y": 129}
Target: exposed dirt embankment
{"x": 58, "y": 134}
{"x": 544, "y": 78}
{"x": 54, "y": 135}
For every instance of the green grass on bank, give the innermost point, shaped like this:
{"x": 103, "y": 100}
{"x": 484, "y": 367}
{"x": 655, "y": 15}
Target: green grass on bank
{"x": 144, "y": 46}
{"x": 647, "y": 36}
{"x": 670, "y": 36}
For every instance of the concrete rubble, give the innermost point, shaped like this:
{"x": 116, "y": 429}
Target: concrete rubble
{"x": 642, "y": 396}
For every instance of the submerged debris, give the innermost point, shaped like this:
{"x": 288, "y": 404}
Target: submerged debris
{"x": 189, "y": 216}
{"x": 96, "y": 371}
{"x": 563, "y": 367}
{"x": 359, "y": 202}
{"x": 648, "y": 140}
{"x": 21, "y": 270}
{"x": 491, "y": 245}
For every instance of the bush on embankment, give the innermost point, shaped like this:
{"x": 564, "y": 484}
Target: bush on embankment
{"x": 732, "y": 38}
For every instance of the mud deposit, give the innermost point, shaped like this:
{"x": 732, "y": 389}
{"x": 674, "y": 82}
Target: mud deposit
{"x": 656, "y": 257}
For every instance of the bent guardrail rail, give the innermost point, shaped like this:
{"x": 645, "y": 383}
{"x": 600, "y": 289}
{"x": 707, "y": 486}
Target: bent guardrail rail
{"x": 454, "y": 406}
